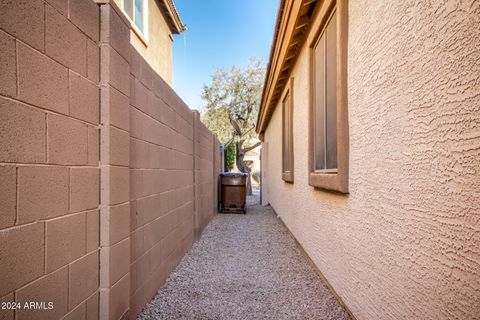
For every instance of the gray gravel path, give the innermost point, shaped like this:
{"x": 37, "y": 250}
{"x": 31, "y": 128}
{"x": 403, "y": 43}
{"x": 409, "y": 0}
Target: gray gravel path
{"x": 244, "y": 267}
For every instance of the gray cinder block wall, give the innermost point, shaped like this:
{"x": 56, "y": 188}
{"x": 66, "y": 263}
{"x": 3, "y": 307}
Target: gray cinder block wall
{"x": 106, "y": 176}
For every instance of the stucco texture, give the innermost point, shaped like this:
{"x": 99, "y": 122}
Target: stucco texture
{"x": 156, "y": 47}
{"x": 404, "y": 244}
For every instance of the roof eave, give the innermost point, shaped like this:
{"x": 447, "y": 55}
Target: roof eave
{"x": 175, "y": 22}
{"x": 278, "y": 19}
{"x": 291, "y": 30}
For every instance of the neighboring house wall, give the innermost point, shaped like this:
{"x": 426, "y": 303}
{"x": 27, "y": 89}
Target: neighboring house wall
{"x": 404, "y": 243}
{"x": 156, "y": 46}
{"x": 93, "y": 222}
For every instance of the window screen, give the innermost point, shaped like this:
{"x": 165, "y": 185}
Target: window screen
{"x": 325, "y": 98}
{"x": 286, "y": 133}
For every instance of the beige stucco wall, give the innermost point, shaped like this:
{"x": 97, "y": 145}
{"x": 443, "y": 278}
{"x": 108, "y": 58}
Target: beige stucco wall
{"x": 404, "y": 244}
{"x": 157, "y": 49}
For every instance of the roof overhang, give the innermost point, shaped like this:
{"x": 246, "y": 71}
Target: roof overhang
{"x": 291, "y": 29}
{"x": 173, "y": 18}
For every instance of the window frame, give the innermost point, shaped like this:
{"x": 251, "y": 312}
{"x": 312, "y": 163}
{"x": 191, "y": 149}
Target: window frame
{"x": 142, "y": 35}
{"x": 288, "y": 173}
{"x": 330, "y": 179}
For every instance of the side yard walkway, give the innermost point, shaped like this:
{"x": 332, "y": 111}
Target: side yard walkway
{"x": 244, "y": 267}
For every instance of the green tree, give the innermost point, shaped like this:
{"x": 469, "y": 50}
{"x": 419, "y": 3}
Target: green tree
{"x": 232, "y": 99}
{"x": 230, "y": 156}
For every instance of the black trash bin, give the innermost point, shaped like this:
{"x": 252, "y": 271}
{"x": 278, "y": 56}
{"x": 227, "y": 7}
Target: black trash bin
{"x": 233, "y": 192}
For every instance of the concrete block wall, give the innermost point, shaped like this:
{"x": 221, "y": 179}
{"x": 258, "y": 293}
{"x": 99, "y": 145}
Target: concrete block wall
{"x": 106, "y": 176}
{"x": 206, "y": 173}
{"x": 115, "y": 163}
{"x": 49, "y": 157}
{"x": 162, "y": 182}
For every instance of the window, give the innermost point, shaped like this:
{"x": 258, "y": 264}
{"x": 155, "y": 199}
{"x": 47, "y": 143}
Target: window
{"x": 287, "y": 135}
{"x": 328, "y": 150}
{"x": 137, "y": 11}
{"x": 325, "y": 98}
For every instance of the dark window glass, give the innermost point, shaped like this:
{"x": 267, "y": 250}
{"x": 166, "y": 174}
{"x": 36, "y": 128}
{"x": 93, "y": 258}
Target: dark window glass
{"x": 286, "y": 136}
{"x": 325, "y": 98}
{"x": 319, "y": 103}
{"x": 331, "y": 90}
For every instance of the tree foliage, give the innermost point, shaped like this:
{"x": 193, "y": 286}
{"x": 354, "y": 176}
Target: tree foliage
{"x": 230, "y": 156}
{"x": 232, "y": 99}
{"x": 233, "y": 94}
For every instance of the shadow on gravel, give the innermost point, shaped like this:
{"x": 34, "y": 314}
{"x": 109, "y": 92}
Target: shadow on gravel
{"x": 244, "y": 267}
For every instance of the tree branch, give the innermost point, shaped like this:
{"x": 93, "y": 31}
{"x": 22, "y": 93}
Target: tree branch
{"x": 235, "y": 125}
{"x": 252, "y": 147}
{"x": 246, "y": 132}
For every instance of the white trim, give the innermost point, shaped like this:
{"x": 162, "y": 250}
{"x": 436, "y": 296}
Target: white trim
{"x": 142, "y": 35}
{"x": 139, "y": 34}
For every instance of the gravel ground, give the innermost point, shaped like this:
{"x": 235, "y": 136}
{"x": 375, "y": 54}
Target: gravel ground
{"x": 244, "y": 267}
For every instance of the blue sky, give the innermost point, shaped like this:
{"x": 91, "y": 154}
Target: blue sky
{"x": 219, "y": 33}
